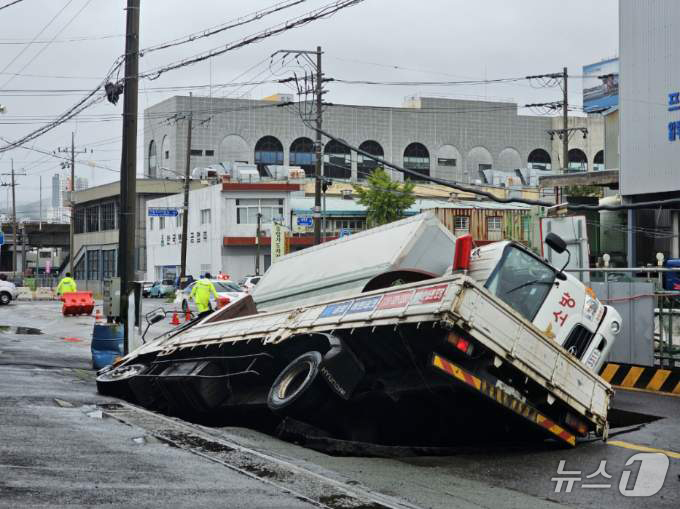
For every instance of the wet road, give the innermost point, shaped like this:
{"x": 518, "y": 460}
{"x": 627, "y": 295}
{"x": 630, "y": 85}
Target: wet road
{"x": 58, "y": 449}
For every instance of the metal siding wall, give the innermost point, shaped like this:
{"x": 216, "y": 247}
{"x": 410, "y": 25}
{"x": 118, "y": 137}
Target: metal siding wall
{"x": 634, "y": 345}
{"x": 649, "y": 71}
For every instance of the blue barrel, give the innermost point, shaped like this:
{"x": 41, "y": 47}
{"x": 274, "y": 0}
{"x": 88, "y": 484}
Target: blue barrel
{"x": 671, "y": 280}
{"x": 107, "y": 344}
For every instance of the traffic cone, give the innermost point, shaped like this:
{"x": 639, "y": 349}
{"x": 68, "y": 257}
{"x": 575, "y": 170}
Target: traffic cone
{"x": 187, "y": 316}
{"x": 175, "y": 319}
{"x": 98, "y": 316}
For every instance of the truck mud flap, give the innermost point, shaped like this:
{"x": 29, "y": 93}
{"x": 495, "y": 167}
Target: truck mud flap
{"x": 503, "y": 398}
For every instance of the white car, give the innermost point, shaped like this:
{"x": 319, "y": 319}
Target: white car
{"x": 8, "y": 292}
{"x": 249, "y": 282}
{"x": 227, "y": 289}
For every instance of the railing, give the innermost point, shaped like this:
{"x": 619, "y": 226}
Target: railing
{"x": 666, "y": 310}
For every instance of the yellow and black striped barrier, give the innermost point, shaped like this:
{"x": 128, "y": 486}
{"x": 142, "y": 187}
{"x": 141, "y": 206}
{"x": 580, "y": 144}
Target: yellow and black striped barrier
{"x": 630, "y": 376}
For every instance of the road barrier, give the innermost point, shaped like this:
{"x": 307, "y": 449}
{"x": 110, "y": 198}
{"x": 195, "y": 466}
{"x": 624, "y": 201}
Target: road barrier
{"x": 77, "y": 303}
{"x": 24, "y": 293}
{"x": 656, "y": 379}
{"x": 44, "y": 293}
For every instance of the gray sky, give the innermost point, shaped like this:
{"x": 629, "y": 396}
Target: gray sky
{"x": 376, "y": 40}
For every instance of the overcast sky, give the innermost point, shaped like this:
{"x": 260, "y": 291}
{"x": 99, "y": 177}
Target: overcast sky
{"x": 377, "y": 40}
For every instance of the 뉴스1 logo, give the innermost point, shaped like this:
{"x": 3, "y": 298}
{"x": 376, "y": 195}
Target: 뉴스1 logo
{"x": 649, "y": 481}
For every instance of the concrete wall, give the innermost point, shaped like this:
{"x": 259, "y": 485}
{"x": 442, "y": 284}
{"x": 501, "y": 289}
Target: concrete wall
{"x": 448, "y": 128}
{"x": 612, "y": 159}
{"x": 649, "y": 55}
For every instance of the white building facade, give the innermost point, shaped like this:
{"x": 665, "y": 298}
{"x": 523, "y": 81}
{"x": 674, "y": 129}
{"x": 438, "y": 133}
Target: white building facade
{"x": 222, "y": 229}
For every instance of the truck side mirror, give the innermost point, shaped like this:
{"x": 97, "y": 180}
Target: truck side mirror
{"x": 155, "y": 316}
{"x": 556, "y": 243}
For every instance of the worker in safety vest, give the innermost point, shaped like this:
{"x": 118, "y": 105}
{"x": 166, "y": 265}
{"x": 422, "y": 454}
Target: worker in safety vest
{"x": 201, "y": 292}
{"x": 67, "y": 285}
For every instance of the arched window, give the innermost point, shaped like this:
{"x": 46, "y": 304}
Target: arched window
{"x": 268, "y": 151}
{"x": 577, "y": 160}
{"x": 366, "y": 165}
{"x": 337, "y": 161}
{"x": 153, "y": 160}
{"x": 302, "y": 155}
{"x": 598, "y": 161}
{"x": 539, "y": 159}
{"x": 417, "y": 158}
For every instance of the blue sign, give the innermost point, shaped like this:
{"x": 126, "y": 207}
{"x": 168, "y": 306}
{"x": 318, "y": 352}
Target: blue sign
{"x": 304, "y": 221}
{"x": 674, "y": 101}
{"x": 2, "y": 238}
{"x": 163, "y": 212}
{"x": 337, "y": 309}
{"x": 345, "y": 232}
{"x": 364, "y": 305}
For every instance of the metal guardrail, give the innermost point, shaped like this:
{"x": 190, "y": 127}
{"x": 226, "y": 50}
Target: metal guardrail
{"x": 666, "y": 311}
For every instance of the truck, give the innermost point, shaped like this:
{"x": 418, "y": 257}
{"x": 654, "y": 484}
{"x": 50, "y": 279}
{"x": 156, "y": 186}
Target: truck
{"x": 401, "y": 334}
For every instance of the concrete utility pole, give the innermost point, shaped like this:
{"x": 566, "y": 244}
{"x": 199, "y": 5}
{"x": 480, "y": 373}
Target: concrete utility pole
{"x": 128, "y": 169}
{"x": 318, "y": 91}
{"x": 185, "y": 209}
{"x": 72, "y": 163}
{"x": 317, "y": 171}
{"x": 14, "y": 215}
{"x": 565, "y": 121}
{"x": 257, "y": 243}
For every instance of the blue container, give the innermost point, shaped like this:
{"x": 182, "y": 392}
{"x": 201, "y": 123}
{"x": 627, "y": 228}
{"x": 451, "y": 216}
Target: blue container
{"x": 671, "y": 280}
{"x": 107, "y": 344}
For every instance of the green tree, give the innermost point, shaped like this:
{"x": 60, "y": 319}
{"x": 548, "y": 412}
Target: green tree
{"x": 385, "y": 199}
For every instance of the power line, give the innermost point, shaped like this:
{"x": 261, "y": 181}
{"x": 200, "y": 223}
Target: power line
{"x": 18, "y": 42}
{"x": 10, "y": 4}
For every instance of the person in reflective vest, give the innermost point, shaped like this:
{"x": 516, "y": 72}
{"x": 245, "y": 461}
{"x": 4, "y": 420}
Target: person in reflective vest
{"x": 67, "y": 285}
{"x": 201, "y": 292}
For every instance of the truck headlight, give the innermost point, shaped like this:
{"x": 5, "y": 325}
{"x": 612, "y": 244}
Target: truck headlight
{"x": 615, "y": 327}
{"x": 590, "y": 308}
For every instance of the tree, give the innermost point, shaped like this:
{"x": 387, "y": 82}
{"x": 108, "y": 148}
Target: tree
{"x": 385, "y": 199}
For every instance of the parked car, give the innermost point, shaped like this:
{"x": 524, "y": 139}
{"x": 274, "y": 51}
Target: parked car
{"x": 162, "y": 288}
{"x": 146, "y": 288}
{"x": 227, "y": 289}
{"x": 249, "y": 282}
{"x": 8, "y": 292}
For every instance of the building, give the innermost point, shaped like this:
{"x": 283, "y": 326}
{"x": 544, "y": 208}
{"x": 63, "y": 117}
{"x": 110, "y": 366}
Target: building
{"x": 96, "y": 234}
{"x": 649, "y": 118}
{"x": 222, "y": 229}
{"x": 222, "y": 225}
{"x": 59, "y": 212}
{"x": 445, "y": 138}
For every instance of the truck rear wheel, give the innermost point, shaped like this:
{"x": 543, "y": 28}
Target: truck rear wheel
{"x": 115, "y": 382}
{"x": 297, "y": 387}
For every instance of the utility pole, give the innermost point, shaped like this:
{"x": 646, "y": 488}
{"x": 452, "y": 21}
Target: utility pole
{"x": 40, "y": 222}
{"x": 128, "y": 170}
{"x": 72, "y": 164}
{"x": 185, "y": 209}
{"x": 317, "y": 171}
{"x": 257, "y": 243}
{"x": 565, "y": 121}
{"x": 14, "y": 215}
{"x": 318, "y": 91}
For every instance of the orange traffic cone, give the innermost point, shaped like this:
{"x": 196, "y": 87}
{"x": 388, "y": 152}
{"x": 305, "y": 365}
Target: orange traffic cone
{"x": 187, "y": 317}
{"x": 175, "y": 319}
{"x": 98, "y": 316}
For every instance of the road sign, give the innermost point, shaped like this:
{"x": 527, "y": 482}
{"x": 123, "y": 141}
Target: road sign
{"x": 2, "y": 238}
{"x": 163, "y": 212}
{"x": 304, "y": 221}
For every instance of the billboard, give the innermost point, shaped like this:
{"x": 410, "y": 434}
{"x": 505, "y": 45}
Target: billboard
{"x": 601, "y": 85}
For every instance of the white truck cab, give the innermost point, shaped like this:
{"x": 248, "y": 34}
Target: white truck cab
{"x": 557, "y": 303}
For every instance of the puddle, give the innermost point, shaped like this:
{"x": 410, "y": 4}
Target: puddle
{"x": 20, "y": 330}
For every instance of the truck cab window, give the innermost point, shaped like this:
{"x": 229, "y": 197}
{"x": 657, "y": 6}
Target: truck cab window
{"x": 522, "y": 281}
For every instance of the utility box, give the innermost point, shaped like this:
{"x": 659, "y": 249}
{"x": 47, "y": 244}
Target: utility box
{"x": 112, "y": 297}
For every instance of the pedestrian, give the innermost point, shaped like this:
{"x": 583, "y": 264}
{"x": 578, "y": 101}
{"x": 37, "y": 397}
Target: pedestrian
{"x": 67, "y": 285}
{"x": 201, "y": 292}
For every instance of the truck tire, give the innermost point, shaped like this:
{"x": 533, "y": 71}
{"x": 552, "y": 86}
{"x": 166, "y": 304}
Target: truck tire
{"x": 297, "y": 387}
{"x": 5, "y": 298}
{"x": 115, "y": 382}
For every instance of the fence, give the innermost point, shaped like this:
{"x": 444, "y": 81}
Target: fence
{"x": 650, "y": 334}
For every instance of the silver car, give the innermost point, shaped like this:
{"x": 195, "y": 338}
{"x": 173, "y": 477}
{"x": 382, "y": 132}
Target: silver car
{"x": 8, "y": 292}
